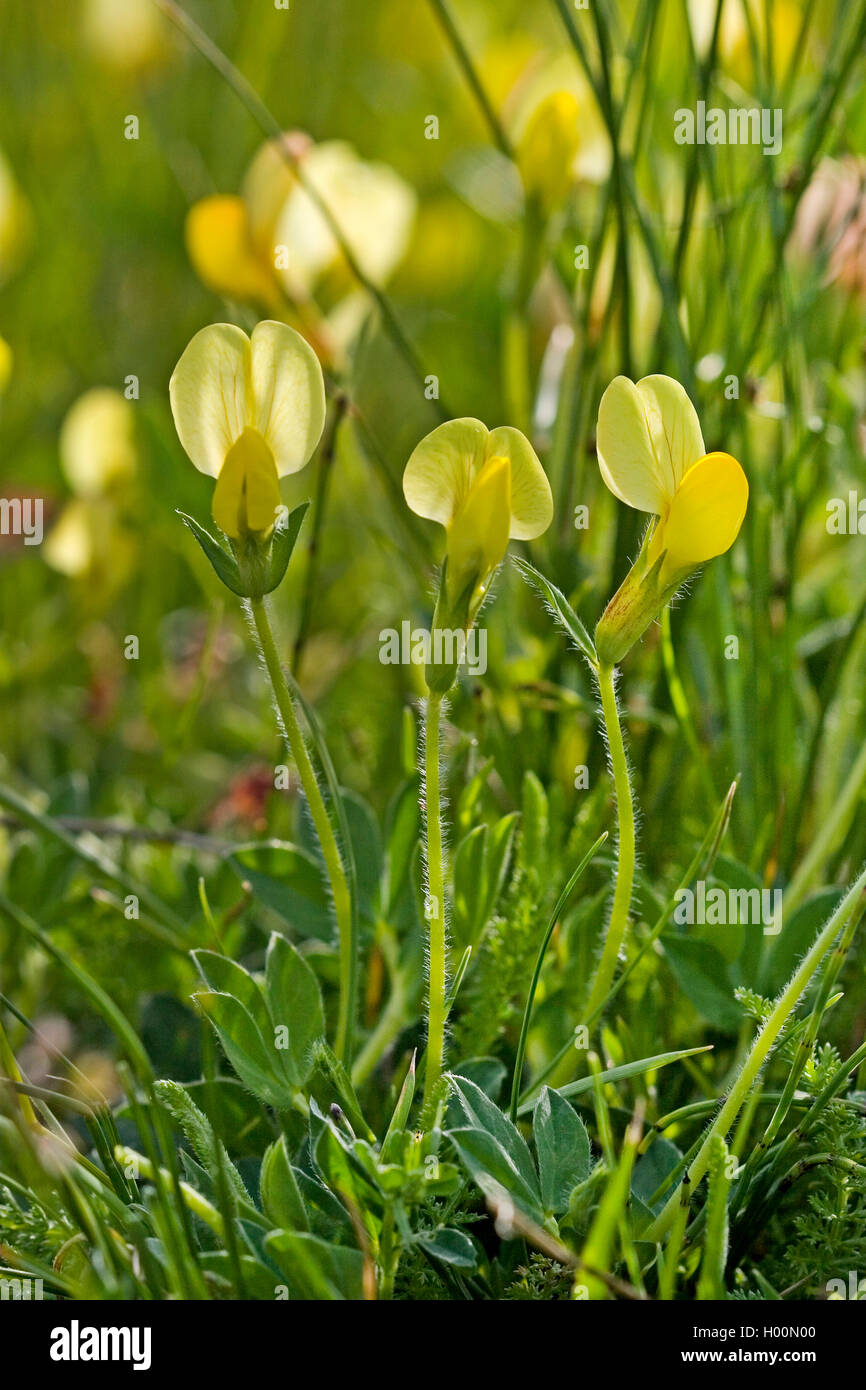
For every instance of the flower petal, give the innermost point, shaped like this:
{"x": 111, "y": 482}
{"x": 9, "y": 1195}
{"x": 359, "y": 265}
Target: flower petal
{"x": 705, "y": 516}
{"x": 478, "y": 536}
{"x": 441, "y": 468}
{"x": 548, "y": 147}
{"x": 219, "y": 245}
{"x": 97, "y": 442}
{"x": 372, "y": 205}
{"x": 674, "y": 426}
{"x": 531, "y": 498}
{"x": 648, "y": 436}
{"x": 289, "y": 394}
{"x": 247, "y": 493}
{"x": 210, "y": 394}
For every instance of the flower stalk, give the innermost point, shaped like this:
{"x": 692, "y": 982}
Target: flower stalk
{"x": 324, "y": 830}
{"x": 435, "y": 901}
{"x": 618, "y": 924}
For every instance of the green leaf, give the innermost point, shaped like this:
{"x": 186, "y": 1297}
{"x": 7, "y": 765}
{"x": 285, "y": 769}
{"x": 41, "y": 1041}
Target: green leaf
{"x": 796, "y": 937}
{"x": 493, "y": 1170}
{"x": 403, "y": 828}
{"x": 488, "y": 1073}
{"x": 650, "y": 1171}
{"x": 559, "y": 608}
{"x": 354, "y": 1182}
{"x": 468, "y": 873}
{"x": 289, "y": 881}
{"x": 199, "y": 1132}
{"x": 498, "y": 849}
{"x": 259, "y": 1281}
{"x": 470, "y": 1106}
{"x": 224, "y": 565}
{"x": 702, "y": 975}
{"x": 328, "y": 1217}
{"x": 621, "y": 1073}
{"x": 315, "y": 1269}
{"x": 534, "y": 828}
{"x": 468, "y": 808}
{"x": 562, "y": 1146}
{"x": 295, "y": 1002}
{"x": 366, "y": 838}
{"x": 224, "y": 976}
{"x": 281, "y": 1198}
{"x": 245, "y": 1047}
{"x": 400, "y": 1117}
{"x": 450, "y": 1246}
{"x": 282, "y": 545}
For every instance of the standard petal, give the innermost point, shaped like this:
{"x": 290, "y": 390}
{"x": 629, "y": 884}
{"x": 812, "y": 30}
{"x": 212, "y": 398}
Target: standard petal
{"x": 441, "y": 468}
{"x": 648, "y": 436}
{"x": 289, "y": 394}
{"x": 531, "y": 498}
{"x": 674, "y": 427}
{"x": 209, "y": 391}
{"x": 625, "y": 453}
{"x": 705, "y": 516}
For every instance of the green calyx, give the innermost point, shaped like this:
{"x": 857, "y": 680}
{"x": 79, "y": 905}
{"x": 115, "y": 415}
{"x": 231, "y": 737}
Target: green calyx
{"x": 636, "y": 604}
{"x": 452, "y": 621}
{"x": 255, "y": 566}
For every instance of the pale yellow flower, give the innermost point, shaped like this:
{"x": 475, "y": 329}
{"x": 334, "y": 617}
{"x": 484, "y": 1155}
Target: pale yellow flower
{"x": 484, "y": 486}
{"x": 248, "y": 411}
{"x": 651, "y": 455}
{"x": 97, "y": 442}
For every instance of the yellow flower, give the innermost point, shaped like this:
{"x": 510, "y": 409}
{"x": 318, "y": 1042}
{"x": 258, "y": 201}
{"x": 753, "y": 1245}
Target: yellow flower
{"x": 652, "y": 457}
{"x": 248, "y": 411}
{"x": 220, "y": 247}
{"x": 484, "y": 486}
{"x": 274, "y": 240}
{"x": 547, "y": 150}
{"x": 98, "y": 457}
{"x": 129, "y": 35}
{"x": 97, "y": 442}
{"x": 371, "y": 204}
{"x": 544, "y": 91}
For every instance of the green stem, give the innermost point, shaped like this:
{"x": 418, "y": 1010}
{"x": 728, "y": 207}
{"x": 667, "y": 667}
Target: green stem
{"x": 470, "y": 72}
{"x": 435, "y": 908}
{"x": 324, "y": 830}
{"x": 618, "y": 923}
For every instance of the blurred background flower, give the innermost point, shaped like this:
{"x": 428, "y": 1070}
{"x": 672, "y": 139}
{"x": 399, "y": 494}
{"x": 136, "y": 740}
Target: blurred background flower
{"x": 831, "y": 222}
{"x": 92, "y": 538}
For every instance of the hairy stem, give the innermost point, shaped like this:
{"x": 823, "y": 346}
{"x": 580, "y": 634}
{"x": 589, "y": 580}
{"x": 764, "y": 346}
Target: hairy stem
{"x": 324, "y": 830}
{"x": 618, "y": 923}
{"x": 435, "y": 907}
